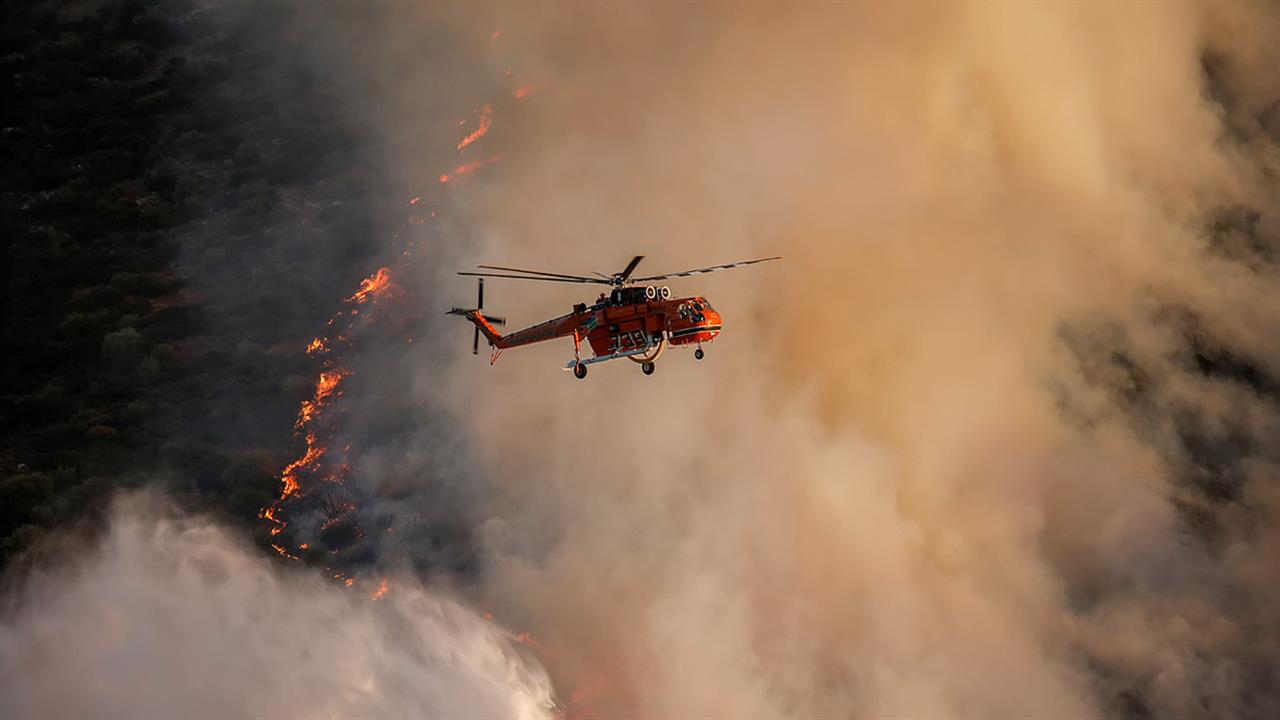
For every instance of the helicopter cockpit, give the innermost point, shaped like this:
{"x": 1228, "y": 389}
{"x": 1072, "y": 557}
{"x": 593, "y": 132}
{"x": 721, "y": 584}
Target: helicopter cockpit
{"x": 695, "y": 309}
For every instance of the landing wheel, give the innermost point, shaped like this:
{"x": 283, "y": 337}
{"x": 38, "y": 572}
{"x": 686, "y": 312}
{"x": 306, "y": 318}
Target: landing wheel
{"x": 648, "y": 368}
{"x": 698, "y": 354}
{"x": 580, "y": 371}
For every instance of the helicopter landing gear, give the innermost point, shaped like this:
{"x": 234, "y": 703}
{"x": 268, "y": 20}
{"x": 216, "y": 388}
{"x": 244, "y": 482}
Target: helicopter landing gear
{"x": 580, "y": 371}
{"x": 698, "y": 354}
{"x": 648, "y": 368}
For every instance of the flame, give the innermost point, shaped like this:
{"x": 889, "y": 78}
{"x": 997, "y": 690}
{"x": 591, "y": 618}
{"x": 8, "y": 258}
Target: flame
{"x": 283, "y": 552}
{"x": 315, "y": 420}
{"x": 482, "y": 127}
{"x": 373, "y": 285}
{"x": 469, "y": 168}
{"x": 289, "y": 475}
{"x": 270, "y": 514}
{"x": 326, "y": 385}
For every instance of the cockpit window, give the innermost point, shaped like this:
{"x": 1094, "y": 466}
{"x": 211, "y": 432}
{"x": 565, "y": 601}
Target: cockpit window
{"x": 705, "y": 305}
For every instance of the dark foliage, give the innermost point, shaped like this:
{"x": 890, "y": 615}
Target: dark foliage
{"x": 145, "y": 142}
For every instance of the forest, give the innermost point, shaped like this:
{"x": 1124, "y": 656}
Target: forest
{"x": 143, "y": 148}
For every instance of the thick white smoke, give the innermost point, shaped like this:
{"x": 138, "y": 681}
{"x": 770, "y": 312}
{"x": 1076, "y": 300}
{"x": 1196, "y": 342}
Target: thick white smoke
{"x": 173, "y": 617}
{"x": 938, "y": 463}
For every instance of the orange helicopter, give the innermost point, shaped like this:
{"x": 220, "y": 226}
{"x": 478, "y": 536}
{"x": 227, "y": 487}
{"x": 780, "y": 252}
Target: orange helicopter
{"x": 633, "y": 321}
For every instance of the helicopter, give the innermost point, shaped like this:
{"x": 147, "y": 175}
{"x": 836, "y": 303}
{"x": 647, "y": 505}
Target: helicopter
{"x": 633, "y": 320}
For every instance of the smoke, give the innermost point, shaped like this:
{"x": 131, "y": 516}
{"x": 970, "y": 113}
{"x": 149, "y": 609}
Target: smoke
{"x": 995, "y": 439}
{"x": 171, "y": 616}
{"x": 977, "y": 448}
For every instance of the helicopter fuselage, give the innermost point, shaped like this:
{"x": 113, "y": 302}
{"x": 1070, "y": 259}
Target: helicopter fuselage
{"x": 633, "y": 320}
{"x": 621, "y": 323}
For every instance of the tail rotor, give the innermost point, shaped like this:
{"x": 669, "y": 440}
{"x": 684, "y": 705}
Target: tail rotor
{"x": 475, "y": 335}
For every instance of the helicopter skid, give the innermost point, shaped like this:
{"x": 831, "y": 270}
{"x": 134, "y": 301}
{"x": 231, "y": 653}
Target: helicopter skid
{"x": 605, "y": 358}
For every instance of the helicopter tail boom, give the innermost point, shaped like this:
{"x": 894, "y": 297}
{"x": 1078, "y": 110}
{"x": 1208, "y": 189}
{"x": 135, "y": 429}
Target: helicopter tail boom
{"x": 483, "y": 324}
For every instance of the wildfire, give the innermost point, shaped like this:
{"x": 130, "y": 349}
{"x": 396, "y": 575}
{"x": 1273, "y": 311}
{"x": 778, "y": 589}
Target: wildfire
{"x": 283, "y": 552}
{"x": 321, "y": 464}
{"x": 373, "y": 285}
{"x": 270, "y": 514}
{"x": 482, "y": 127}
{"x": 325, "y": 386}
{"x": 469, "y": 168}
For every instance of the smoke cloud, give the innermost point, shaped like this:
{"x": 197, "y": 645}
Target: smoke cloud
{"x": 973, "y": 449}
{"x": 995, "y": 439}
{"x": 172, "y": 616}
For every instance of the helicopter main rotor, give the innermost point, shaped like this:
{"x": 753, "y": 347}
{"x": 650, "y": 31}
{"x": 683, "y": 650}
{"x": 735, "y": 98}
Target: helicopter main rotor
{"x": 617, "y": 279}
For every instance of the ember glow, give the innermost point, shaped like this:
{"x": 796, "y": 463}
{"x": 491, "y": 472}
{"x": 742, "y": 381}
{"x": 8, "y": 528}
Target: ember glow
{"x": 317, "y": 467}
{"x": 311, "y": 422}
{"x": 315, "y": 481}
{"x": 468, "y": 168}
{"x": 372, "y": 286}
{"x": 482, "y": 128}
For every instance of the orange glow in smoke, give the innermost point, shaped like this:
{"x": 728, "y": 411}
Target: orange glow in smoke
{"x": 482, "y": 127}
{"x": 469, "y": 168}
{"x": 317, "y": 416}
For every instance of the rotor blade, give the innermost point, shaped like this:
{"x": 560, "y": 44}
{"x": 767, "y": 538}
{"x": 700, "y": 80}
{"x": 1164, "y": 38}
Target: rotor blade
{"x": 496, "y": 320}
{"x": 475, "y": 342}
{"x": 630, "y": 268}
{"x": 534, "y": 272}
{"x": 701, "y": 271}
{"x": 532, "y": 277}
{"x": 480, "y": 293}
